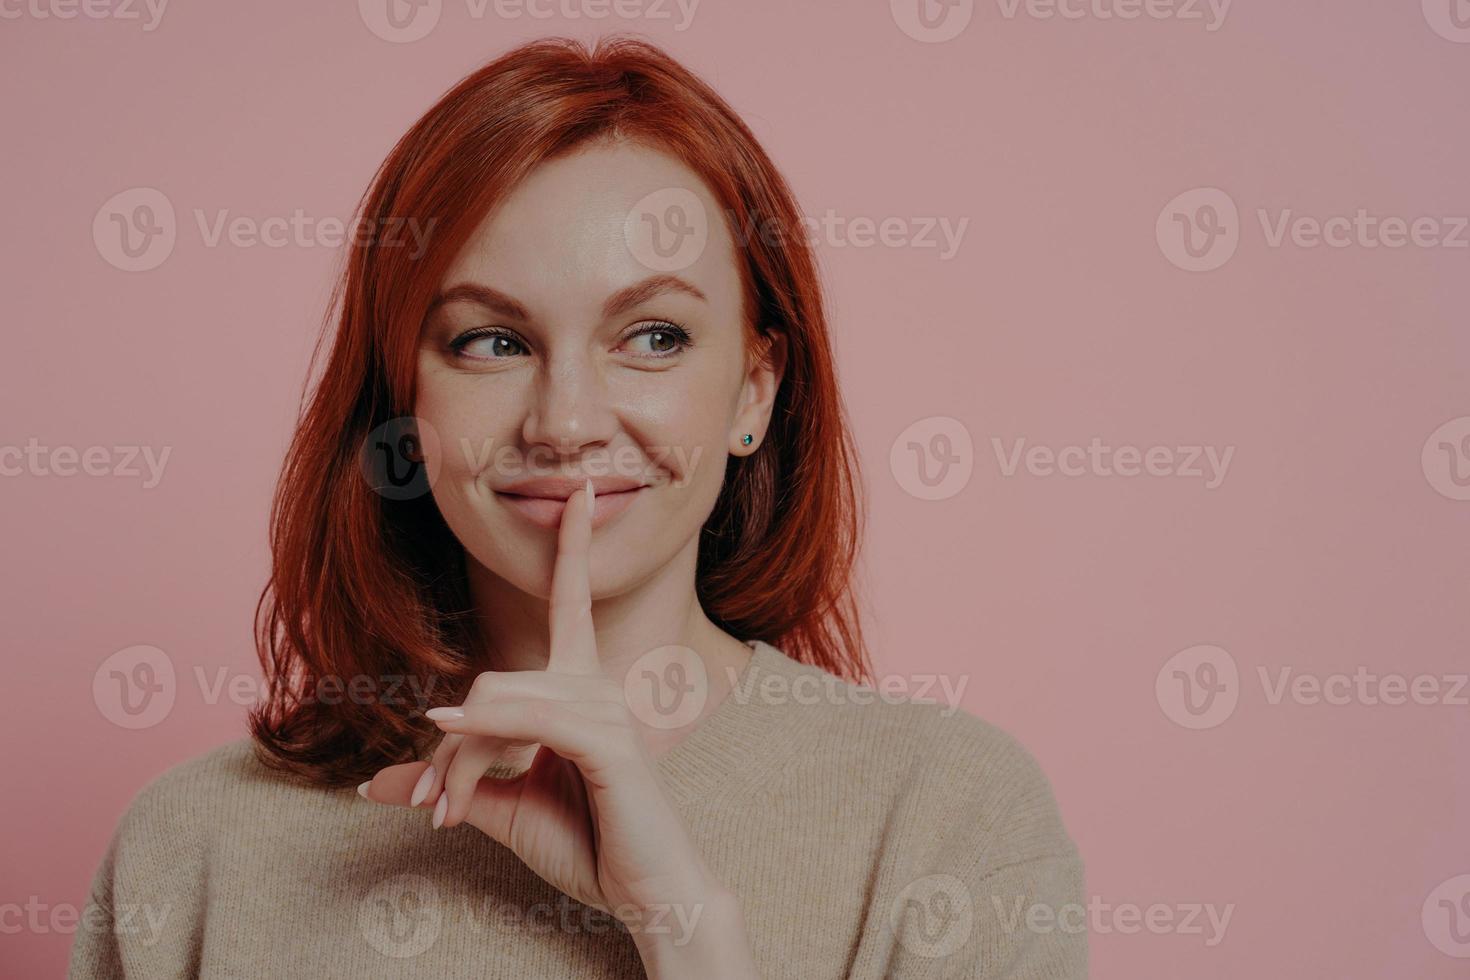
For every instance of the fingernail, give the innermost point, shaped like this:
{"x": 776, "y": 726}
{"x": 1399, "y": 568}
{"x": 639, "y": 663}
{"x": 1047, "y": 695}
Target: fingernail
{"x": 421, "y": 788}
{"x": 591, "y": 494}
{"x": 362, "y": 789}
{"x": 444, "y": 714}
{"x": 441, "y": 808}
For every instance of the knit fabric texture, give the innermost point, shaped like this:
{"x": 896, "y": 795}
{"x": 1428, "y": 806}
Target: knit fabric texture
{"x": 865, "y": 837}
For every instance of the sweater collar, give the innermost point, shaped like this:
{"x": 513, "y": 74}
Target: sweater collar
{"x": 748, "y": 735}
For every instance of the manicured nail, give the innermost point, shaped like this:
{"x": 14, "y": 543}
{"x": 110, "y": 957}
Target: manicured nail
{"x": 440, "y": 809}
{"x": 444, "y": 714}
{"x": 421, "y": 788}
{"x": 362, "y": 789}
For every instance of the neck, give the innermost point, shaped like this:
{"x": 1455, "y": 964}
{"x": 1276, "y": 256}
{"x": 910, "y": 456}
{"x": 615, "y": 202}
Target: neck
{"x": 662, "y": 610}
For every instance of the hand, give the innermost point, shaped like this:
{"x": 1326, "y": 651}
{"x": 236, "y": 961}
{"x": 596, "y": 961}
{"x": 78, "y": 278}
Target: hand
{"x": 589, "y": 815}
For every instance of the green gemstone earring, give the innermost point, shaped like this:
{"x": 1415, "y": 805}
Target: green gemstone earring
{"x": 747, "y": 439}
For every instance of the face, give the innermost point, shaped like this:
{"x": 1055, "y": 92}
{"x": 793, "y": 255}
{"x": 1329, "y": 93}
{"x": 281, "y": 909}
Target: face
{"x": 562, "y": 347}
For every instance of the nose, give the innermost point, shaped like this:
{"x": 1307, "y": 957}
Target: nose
{"x": 570, "y": 411}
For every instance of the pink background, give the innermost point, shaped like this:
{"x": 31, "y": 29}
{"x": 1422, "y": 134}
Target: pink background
{"x": 1326, "y": 548}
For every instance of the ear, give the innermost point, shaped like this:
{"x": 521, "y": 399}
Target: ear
{"x": 758, "y": 393}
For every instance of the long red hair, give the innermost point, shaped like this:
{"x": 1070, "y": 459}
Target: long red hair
{"x": 369, "y": 587}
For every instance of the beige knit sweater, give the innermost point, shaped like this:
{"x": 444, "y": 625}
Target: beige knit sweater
{"x": 865, "y": 838}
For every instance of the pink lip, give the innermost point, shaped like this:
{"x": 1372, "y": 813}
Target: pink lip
{"x": 546, "y": 511}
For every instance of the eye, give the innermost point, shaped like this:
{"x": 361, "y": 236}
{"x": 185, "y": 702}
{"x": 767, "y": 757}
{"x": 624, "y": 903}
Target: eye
{"x": 498, "y": 344}
{"x": 665, "y": 339}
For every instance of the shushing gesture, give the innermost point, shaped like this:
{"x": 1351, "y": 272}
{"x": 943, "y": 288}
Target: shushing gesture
{"x": 589, "y": 815}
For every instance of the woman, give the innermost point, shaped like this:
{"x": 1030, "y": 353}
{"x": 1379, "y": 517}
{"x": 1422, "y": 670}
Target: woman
{"x": 561, "y": 581}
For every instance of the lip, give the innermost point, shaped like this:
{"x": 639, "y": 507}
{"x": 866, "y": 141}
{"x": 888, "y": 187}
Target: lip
{"x": 546, "y": 511}
{"x": 562, "y": 487}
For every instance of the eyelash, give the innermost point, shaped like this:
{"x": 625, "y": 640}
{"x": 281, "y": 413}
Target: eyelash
{"x": 680, "y": 335}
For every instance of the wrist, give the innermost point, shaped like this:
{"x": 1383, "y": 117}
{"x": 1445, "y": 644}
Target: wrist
{"x": 704, "y": 937}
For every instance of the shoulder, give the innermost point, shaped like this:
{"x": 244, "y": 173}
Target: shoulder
{"x": 951, "y": 770}
{"x": 977, "y": 873}
{"x": 230, "y": 766}
{"x": 970, "y": 778}
{"x": 182, "y": 807}
{"x": 159, "y": 847}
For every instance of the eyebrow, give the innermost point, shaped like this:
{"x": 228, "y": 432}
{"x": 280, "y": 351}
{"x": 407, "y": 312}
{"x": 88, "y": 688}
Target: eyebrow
{"x": 619, "y": 302}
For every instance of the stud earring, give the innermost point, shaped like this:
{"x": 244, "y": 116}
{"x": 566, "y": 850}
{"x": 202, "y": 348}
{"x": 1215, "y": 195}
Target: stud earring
{"x": 747, "y": 439}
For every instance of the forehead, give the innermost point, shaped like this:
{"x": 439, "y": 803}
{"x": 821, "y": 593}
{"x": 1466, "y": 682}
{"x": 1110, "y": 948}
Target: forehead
{"x": 601, "y": 218}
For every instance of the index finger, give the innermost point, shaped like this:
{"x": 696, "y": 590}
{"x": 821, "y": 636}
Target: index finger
{"x": 573, "y": 640}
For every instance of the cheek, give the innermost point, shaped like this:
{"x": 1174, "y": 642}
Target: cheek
{"x": 681, "y": 424}
{"x": 471, "y": 421}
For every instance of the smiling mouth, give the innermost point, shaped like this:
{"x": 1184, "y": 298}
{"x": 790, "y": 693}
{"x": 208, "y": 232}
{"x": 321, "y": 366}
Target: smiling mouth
{"x": 545, "y": 512}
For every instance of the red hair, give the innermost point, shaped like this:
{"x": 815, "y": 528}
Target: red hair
{"x": 363, "y": 586}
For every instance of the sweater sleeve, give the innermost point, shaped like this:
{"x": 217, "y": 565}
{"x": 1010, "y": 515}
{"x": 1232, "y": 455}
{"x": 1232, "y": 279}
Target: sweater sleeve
{"x": 998, "y": 892}
{"x": 145, "y": 910}
{"x": 94, "y": 950}
{"x": 1029, "y": 922}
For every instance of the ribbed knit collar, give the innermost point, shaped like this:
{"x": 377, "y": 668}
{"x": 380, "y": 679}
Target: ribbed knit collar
{"x": 748, "y": 735}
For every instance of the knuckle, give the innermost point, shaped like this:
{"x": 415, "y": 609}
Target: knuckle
{"x": 460, "y": 778}
{"x": 483, "y": 683}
